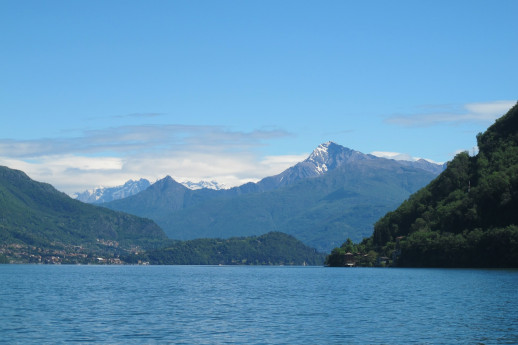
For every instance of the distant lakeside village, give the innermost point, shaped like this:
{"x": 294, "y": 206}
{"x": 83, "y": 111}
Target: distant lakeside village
{"x": 66, "y": 254}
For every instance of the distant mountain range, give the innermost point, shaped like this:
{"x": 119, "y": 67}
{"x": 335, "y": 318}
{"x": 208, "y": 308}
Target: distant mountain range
{"x": 334, "y": 194}
{"x": 318, "y": 163}
{"x": 106, "y": 194}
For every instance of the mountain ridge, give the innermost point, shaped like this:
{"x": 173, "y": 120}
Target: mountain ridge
{"x": 131, "y": 187}
{"x": 317, "y": 163}
{"x": 187, "y": 214}
{"x": 107, "y": 194}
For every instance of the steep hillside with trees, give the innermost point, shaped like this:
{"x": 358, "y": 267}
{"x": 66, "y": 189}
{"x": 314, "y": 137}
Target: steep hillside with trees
{"x": 36, "y": 219}
{"x": 467, "y": 216}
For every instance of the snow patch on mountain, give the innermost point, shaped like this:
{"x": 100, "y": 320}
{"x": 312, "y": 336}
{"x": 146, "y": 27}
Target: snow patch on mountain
{"x": 319, "y": 157}
{"x": 204, "y": 184}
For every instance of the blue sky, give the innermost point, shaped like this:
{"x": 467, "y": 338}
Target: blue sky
{"x": 98, "y": 92}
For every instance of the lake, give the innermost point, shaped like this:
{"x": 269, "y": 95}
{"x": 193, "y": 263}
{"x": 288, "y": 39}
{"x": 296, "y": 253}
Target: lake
{"x": 256, "y": 305}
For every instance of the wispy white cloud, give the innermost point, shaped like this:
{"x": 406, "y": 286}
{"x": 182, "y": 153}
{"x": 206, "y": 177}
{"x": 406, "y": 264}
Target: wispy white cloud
{"x": 114, "y": 155}
{"x": 451, "y": 115}
{"x": 140, "y": 139}
{"x": 488, "y": 111}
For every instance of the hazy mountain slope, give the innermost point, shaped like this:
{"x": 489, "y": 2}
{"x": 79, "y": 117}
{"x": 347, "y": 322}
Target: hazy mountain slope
{"x": 320, "y": 211}
{"x": 163, "y": 197}
{"x": 34, "y": 213}
{"x": 425, "y": 165}
{"x": 468, "y": 216}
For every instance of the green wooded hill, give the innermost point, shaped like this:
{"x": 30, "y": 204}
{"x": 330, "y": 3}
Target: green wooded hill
{"x": 467, "y": 216}
{"x": 273, "y": 248}
{"x": 35, "y": 214}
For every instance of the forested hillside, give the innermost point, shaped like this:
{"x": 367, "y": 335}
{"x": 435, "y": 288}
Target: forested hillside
{"x": 466, "y": 217}
{"x": 39, "y": 222}
{"x": 274, "y": 248}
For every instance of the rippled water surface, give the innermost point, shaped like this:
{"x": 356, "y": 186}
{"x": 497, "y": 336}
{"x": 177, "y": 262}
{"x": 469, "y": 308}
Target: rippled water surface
{"x": 256, "y": 305}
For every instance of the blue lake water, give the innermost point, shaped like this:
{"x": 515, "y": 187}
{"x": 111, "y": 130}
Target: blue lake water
{"x": 256, "y": 305}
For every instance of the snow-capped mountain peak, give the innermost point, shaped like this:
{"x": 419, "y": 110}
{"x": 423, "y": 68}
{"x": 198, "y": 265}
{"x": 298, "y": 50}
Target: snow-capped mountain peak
{"x": 322, "y": 150}
{"x": 328, "y": 156}
{"x": 319, "y": 157}
{"x": 105, "y": 194}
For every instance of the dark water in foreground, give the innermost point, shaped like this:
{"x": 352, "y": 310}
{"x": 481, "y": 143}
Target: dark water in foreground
{"x": 256, "y": 305}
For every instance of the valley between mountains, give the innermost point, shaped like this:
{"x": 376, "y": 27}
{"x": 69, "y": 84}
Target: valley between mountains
{"x": 404, "y": 213}
{"x": 306, "y": 210}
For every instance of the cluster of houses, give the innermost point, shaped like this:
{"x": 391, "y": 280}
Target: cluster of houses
{"x": 21, "y": 253}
